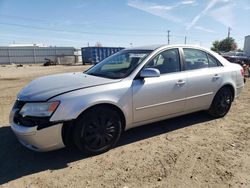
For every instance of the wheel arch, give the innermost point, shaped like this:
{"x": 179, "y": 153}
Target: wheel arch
{"x": 68, "y": 127}
{"x": 107, "y": 105}
{"x": 231, "y": 87}
{"x": 215, "y": 109}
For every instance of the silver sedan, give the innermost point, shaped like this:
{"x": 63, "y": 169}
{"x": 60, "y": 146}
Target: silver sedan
{"x": 130, "y": 88}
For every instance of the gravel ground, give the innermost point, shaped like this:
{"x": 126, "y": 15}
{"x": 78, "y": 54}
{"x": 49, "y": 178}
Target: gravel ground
{"x": 189, "y": 151}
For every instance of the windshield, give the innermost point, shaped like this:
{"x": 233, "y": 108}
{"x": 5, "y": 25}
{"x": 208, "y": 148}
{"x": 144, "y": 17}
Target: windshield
{"x": 241, "y": 54}
{"x": 229, "y": 53}
{"x": 119, "y": 65}
{"x": 235, "y": 53}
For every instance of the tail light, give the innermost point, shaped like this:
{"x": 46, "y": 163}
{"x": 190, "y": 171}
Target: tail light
{"x": 242, "y": 72}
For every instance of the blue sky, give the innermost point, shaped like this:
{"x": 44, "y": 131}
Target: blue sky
{"x": 122, "y": 22}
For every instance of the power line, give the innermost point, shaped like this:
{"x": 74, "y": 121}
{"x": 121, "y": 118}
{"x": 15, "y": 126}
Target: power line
{"x": 58, "y": 23}
{"x": 76, "y": 31}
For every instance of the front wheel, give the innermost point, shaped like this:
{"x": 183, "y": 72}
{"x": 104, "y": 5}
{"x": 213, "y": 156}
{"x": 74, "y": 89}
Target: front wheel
{"x": 221, "y": 103}
{"x": 97, "y": 130}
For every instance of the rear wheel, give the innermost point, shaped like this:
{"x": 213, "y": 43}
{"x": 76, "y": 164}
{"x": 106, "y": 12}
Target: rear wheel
{"x": 221, "y": 103}
{"x": 97, "y": 130}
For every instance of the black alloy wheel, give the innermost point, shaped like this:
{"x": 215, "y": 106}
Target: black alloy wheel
{"x": 98, "y": 130}
{"x": 222, "y": 103}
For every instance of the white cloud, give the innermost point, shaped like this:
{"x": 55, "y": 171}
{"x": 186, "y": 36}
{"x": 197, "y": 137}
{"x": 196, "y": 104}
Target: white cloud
{"x": 187, "y": 2}
{"x": 224, "y": 15}
{"x": 161, "y": 7}
{"x": 209, "y": 6}
{"x": 204, "y": 29}
{"x": 155, "y": 9}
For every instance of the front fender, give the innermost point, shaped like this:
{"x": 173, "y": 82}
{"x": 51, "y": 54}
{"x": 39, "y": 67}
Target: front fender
{"x": 72, "y": 104}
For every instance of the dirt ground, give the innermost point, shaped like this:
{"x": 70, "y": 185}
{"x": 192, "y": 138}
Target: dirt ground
{"x": 189, "y": 151}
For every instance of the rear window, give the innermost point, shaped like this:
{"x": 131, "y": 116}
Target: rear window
{"x": 213, "y": 62}
{"x": 195, "y": 59}
{"x": 198, "y": 59}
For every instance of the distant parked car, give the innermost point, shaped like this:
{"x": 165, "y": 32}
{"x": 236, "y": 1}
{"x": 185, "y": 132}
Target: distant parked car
{"x": 237, "y": 57}
{"x": 128, "y": 89}
{"x": 49, "y": 62}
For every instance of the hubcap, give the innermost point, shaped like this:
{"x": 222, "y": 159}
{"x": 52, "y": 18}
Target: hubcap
{"x": 99, "y": 132}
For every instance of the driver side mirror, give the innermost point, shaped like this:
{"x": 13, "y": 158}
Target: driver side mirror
{"x": 150, "y": 72}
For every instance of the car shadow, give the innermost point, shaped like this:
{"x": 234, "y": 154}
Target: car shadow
{"x": 17, "y": 161}
{"x": 162, "y": 127}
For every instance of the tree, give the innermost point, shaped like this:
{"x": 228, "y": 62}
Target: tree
{"x": 225, "y": 45}
{"x": 215, "y": 46}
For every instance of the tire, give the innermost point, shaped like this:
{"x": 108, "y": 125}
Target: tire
{"x": 221, "y": 103}
{"x": 97, "y": 130}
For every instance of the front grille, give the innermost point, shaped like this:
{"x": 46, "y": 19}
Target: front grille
{"x": 31, "y": 121}
{"x": 24, "y": 121}
{"x": 18, "y": 104}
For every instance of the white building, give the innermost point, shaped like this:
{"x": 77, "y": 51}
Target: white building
{"x": 28, "y": 45}
{"x": 247, "y": 45}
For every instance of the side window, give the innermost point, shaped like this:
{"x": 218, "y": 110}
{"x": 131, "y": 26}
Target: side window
{"x": 195, "y": 59}
{"x": 166, "y": 62}
{"x": 212, "y": 61}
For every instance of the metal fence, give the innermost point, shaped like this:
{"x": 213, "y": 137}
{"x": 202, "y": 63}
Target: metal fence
{"x": 28, "y": 55}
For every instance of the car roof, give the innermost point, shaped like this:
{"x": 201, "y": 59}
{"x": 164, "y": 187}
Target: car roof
{"x": 156, "y": 46}
{"x": 147, "y": 47}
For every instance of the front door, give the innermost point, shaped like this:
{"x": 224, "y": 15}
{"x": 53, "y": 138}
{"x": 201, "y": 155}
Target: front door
{"x": 160, "y": 96}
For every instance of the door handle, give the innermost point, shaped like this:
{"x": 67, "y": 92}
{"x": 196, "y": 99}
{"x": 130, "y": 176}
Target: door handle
{"x": 180, "y": 82}
{"x": 216, "y": 76}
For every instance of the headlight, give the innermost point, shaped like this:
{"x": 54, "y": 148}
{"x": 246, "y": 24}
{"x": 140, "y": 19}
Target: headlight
{"x": 39, "y": 109}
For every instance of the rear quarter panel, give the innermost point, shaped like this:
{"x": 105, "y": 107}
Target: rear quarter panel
{"x": 233, "y": 77}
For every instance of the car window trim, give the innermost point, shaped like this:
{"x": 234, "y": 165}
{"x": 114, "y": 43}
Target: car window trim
{"x": 218, "y": 62}
{"x": 165, "y": 49}
{"x": 206, "y": 52}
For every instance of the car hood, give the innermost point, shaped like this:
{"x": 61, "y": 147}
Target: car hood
{"x": 43, "y": 88}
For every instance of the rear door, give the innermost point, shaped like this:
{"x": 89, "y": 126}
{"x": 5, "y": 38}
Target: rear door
{"x": 204, "y": 78}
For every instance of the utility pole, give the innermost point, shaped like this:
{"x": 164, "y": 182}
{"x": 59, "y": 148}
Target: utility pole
{"x": 228, "y": 33}
{"x": 168, "y": 37}
{"x": 185, "y": 40}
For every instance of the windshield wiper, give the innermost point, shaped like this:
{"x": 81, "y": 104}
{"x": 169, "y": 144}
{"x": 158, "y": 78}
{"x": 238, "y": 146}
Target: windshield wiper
{"x": 98, "y": 74}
